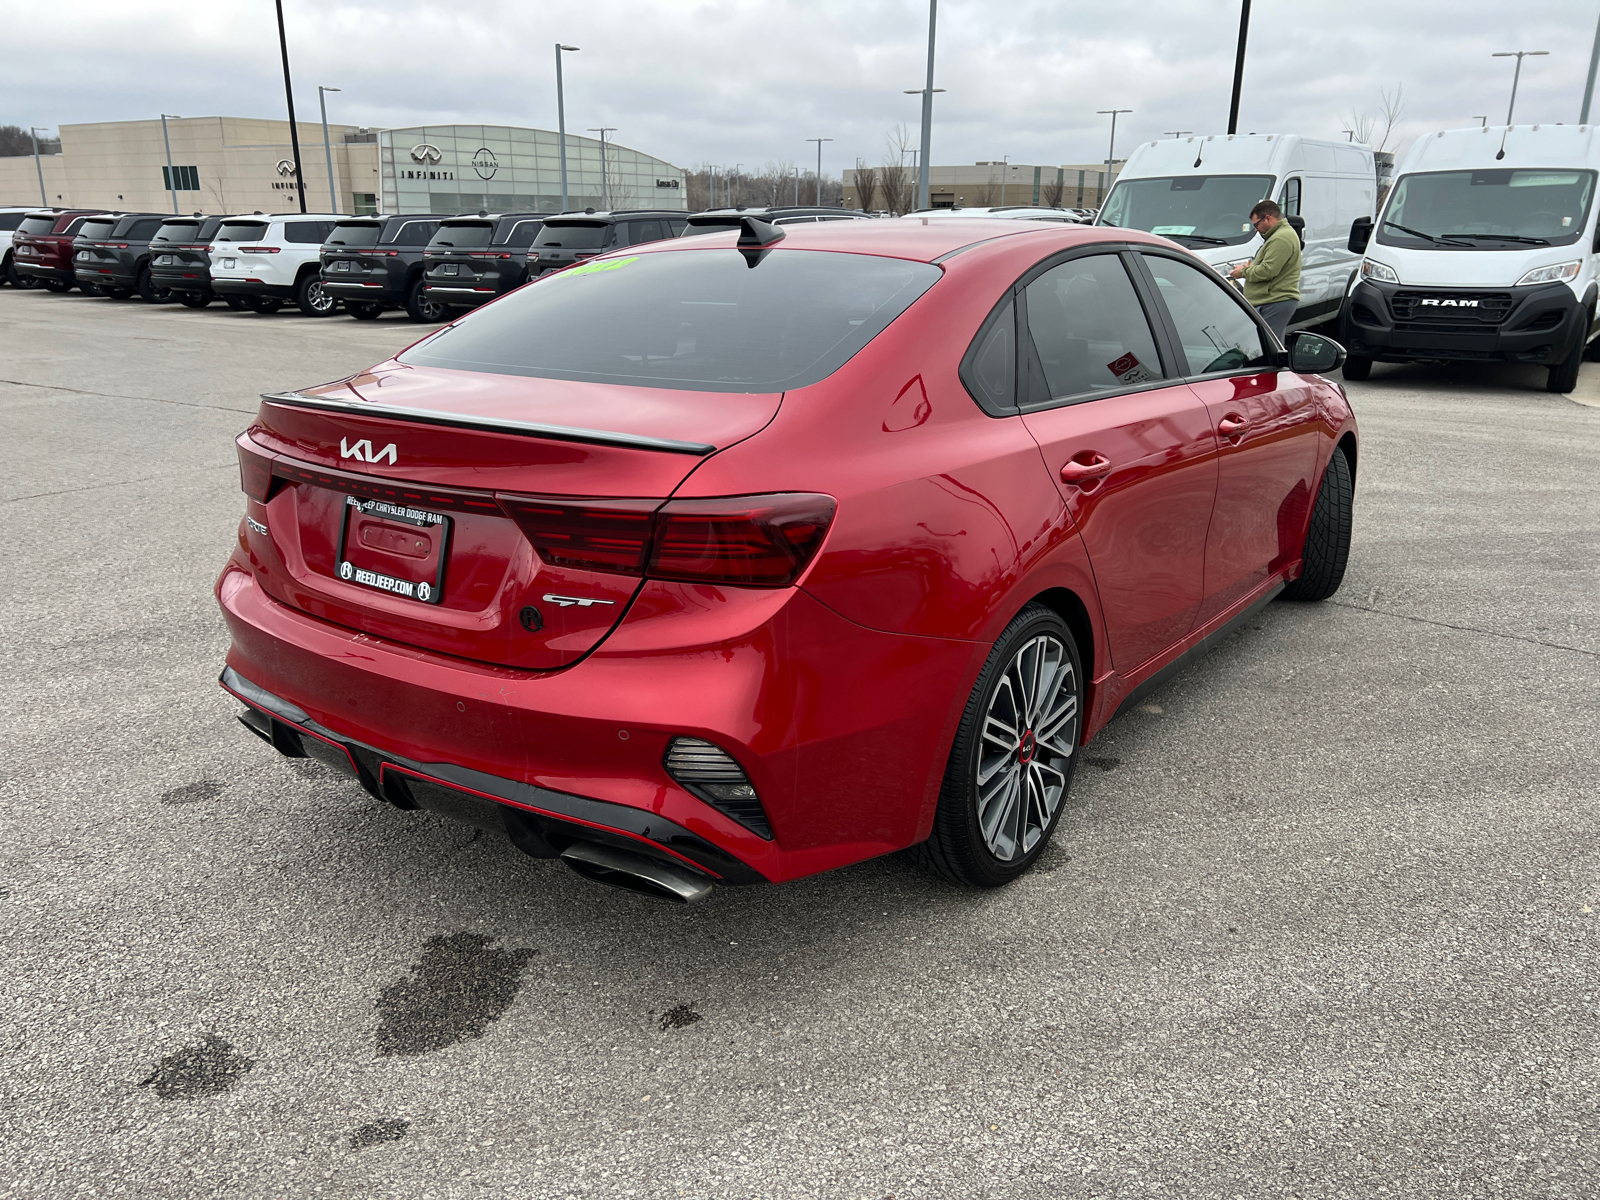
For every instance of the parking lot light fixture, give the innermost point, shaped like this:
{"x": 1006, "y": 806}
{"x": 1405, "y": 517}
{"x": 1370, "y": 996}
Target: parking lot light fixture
{"x": 819, "y": 142}
{"x": 1111, "y": 152}
{"x": 1516, "y": 75}
{"x": 327, "y": 147}
{"x": 927, "y": 110}
{"x": 33, "y": 132}
{"x": 561, "y": 124}
{"x": 288, "y": 94}
{"x": 172, "y": 182}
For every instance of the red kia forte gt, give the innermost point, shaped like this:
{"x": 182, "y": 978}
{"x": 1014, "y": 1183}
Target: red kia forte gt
{"x": 741, "y": 558}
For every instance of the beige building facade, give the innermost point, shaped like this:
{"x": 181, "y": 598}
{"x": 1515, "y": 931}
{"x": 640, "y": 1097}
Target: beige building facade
{"x": 986, "y": 184}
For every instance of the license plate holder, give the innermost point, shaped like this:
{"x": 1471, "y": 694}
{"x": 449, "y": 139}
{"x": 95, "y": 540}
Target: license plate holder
{"x": 229, "y": 264}
{"x": 163, "y": 260}
{"x": 393, "y": 548}
{"x": 449, "y": 269}
{"x": 339, "y": 264}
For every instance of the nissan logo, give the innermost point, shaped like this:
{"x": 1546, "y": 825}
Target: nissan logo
{"x": 485, "y": 163}
{"x": 286, "y": 166}
{"x": 422, "y": 152}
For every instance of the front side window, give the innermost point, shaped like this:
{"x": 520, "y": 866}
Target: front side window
{"x": 1090, "y": 329}
{"x": 1289, "y": 197}
{"x": 1502, "y": 209}
{"x": 703, "y": 320}
{"x": 1194, "y": 210}
{"x": 1215, "y": 335}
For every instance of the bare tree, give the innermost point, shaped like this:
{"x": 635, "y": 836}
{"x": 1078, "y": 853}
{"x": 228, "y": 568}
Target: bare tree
{"x": 866, "y": 186}
{"x": 1364, "y": 125}
{"x": 16, "y": 141}
{"x": 895, "y": 179}
{"x": 1050, "y": 191}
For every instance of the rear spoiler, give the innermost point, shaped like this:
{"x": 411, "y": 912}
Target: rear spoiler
{"x": 427, "y": 416}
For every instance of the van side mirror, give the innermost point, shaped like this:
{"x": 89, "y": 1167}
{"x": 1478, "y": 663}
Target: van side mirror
{"x": 1313, "y": 354}
{"x": 1360, "y": 235}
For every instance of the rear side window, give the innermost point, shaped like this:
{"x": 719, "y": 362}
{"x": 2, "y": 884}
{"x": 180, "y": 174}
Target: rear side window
{"x": 522, "y": 234}
{"x": 1090, "y": 329}
{"x": 143, "y": 231}
{"x": 307, "y": 232}
{"x": 414, "y": 233}
{"x": 9, "y": 221}
{"x": 37, "y": 225}
{"x": 572, "y": 237}
{"x": 74, "y": 225}
{"x": 990, "y": 367}
{"x": 468, "y": 235}
{"x": 97, "y": 230}
{"x": 241, "y": 231}
{"x": 703, "y": 320}
{"x": 1215, "y": 335}
{"x": 177, "y": 231}
{"x": 644, "y": 231}
{"x": 364, "y": 233}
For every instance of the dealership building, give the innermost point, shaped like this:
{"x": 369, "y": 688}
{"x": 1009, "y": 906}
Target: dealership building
{"x": 242, "y": 164}
{"x": 984, "y": 184}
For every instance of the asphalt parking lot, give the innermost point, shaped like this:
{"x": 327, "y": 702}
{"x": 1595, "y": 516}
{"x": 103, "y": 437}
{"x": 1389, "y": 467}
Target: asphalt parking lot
{"x": 1320, "y": 921}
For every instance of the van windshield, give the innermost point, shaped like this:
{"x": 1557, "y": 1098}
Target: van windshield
{"x": 1501, "y": 209}
{"x": 1194, "y": 210}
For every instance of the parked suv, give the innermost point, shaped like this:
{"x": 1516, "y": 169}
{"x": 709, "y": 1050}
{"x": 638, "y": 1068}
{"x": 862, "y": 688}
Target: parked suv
{"x": 116, "y": 259}
{"x": 573, "y": 237}
{"x": 717, "y": 220}
{"x": 10, "y": 218}
{"x": 180, "y": 259}
{"x": 42, "y": 246}
{"x": 272, "y": 258}
{"x": 374, "y": 263}
{"x": 472, "y": 260}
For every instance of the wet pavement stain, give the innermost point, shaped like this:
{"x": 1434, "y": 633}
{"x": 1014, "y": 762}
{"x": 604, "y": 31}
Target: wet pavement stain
{"x": 387, "y": 1129}
{"x": 679, "y": 1017}
{"x": 193, "y": 793}
{"x": 457, "y": 990}
{"x": 208, "y": 1069}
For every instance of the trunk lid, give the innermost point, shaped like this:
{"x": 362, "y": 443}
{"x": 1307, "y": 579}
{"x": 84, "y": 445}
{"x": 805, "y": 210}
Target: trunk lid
{"x": 387, "y": 506}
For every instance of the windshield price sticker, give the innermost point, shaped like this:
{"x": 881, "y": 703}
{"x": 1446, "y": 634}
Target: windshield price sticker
{"x": 1129, "y": 369}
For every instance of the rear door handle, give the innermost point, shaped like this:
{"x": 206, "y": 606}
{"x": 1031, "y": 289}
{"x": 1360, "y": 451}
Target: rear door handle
{"x": 1074, "y": 471}
{"x": 1232, "y": 425}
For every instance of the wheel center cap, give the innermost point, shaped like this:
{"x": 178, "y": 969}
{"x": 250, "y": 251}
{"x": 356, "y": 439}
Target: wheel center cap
{"x": 1026, "y": 748}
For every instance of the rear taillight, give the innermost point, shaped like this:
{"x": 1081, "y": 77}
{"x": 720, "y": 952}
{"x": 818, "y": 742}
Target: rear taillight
{"x": 485, "y": 254}
{"x": 379, "y": 253}
{"x": 255, "y": 469}
{"x": 258, "y": 249}
{"x": 532, "y": 257}
{"x": 756, "y": 541}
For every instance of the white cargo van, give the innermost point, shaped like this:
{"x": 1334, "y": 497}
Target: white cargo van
{"x": 1486, "y": 251}
{"x": 1199, "y": 191}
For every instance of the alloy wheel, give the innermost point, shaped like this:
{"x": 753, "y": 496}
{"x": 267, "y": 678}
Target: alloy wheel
{"x": 1029, "y": 731}
{"x": 319, "y": 299}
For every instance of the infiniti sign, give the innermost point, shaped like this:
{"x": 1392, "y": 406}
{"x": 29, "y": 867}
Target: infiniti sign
{"x": 422, "y": 152}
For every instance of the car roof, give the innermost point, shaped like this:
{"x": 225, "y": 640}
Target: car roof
{"x": 606, "y": 217}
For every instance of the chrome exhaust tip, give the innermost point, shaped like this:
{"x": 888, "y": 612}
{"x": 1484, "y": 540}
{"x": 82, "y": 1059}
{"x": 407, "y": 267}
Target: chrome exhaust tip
{"x": 635, "y": 873}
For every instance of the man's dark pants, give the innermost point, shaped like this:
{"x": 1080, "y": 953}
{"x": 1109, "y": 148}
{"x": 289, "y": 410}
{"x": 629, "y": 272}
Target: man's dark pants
{"x": 1277, "y": 314}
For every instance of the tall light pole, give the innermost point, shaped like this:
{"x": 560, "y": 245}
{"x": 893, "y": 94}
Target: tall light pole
{"x": 561, "y": 124}
{"x": 327, "y": 146}
{"x": 605, "y": 186}
{"x": 927, "y": 110}
{"x": 288, "y": 93}
{"x": 1238, "y": 66}
{"x": 33, "y": 132}
{"x": 1111, "y": 153}
{"x": 819, "y": 142}
{"x": 172, "y": 182}
{"x": 732, "y": 176}
{"x": 1484, "y": 120}
{"x": 1588, "y": 87}
{"x": 797, "y": 187}
{"x": 1516, "y": 75}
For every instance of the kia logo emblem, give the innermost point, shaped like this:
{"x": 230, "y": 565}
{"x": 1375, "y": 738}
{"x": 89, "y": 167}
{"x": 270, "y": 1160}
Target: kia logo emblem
{"x": 362, "y": 451}
{"x": 286, "y": 166}
{"x": 485, "y": 163}
{"x": 422, "y": 152}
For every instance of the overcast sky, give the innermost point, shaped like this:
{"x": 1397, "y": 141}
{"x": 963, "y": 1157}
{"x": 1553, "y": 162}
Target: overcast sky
{"x": 749, "y": 80}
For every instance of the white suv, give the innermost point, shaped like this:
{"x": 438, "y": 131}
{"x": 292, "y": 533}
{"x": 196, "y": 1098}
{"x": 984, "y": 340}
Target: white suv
{"x": 270, "y": 258}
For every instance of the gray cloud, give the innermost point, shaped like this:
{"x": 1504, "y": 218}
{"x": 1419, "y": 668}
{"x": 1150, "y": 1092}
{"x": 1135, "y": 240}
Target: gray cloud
{"x": 744, "y": 81}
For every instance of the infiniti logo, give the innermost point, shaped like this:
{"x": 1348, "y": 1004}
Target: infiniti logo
{"x": 422, "y": 152}
{"x": 286, "y": 166}
{"x": 1430, "y": 302}
{"x": 362, "y": 451}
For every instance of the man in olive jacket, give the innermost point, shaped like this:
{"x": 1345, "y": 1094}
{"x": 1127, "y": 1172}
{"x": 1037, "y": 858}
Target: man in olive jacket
{"x": 1272, "y": 277}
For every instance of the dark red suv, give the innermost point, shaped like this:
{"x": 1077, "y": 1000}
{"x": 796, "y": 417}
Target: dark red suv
{"x": 720, "y": 560}
{"x": 42, "y": 246}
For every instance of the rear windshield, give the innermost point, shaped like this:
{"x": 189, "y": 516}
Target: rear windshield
{"x": 37, "y": 225}
{"x": 240, "y": 231}
{"x": 465, "y": 236}
{"x": 96, "y": 229}
{"x": 703, "y": 320}
{"x": 177, "y": 231}
{"x": 365, "y": 234}
{"x": 140, "y": 230}
{"x": 572, "y": 237}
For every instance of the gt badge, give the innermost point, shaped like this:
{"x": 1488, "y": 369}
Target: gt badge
{"x": 569, "y": 601}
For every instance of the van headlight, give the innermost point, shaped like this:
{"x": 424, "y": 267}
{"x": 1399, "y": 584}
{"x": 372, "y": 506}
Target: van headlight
{"x": 1560, "y": 273}
{"x": 1377, "y": 272}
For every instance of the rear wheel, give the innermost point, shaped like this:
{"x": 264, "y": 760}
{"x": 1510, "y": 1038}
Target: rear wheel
{"x": 1563, "y": 376}
{"x": 58, "y": 286}
{"x": 90, "y": 289}
{"x": 1327, "y": 546}
{"x": 364, "y": 310}
{"x": 312, "y": 298}
{"x": 266, "y": 305}
{"x": 1012, "y": 762}
{"x": 423, "y": 310}
{"x": 16, "y": 278}
{"x": 193, "y": 299}
{"x": 1356, "y": 367}
{"x": 118, "y": 293}
{"x": 237, "y": 303}
{"x": 149, "y": 290}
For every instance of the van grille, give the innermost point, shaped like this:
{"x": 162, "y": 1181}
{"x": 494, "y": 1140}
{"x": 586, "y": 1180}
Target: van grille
{"x": 1448, "y": 310}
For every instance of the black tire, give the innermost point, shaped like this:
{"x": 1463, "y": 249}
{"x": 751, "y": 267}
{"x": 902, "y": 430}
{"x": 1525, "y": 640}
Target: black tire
{"x": 91, "y": 289}
{"x": 311, "y": 298}
{"x": 16, "y": 278}
{"x": 364, "y": 310}
{"x": 58, "y": 286}
{"x": 959, "y": 848}
{"x": 149, "y": 290}
{"x": 1591, "y": 352}
{"x": 193, "y": 299}
{"x": 1356, "y": 367}
{"x": 1563, "y": 376}
{"x": 237, "y": 303}
{"x": 1327, "y": 545}
{"x": 118, "y": 293}
{"x": 421, "y": 309}
{"x": 265, "y": 305}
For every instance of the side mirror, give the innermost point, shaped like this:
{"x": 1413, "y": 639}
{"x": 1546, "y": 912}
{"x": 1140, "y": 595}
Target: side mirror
{"x": 1313, "y": 354}
{"x": 1360, "y": 235}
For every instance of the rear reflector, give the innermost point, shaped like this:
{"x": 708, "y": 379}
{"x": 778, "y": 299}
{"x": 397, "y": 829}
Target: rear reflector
{"x": 756, "y": 541}
{"x": 715, "y": 776}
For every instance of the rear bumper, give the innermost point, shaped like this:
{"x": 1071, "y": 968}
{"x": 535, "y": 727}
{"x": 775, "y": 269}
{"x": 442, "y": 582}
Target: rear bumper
{"x": 248, "y": 287}
{"x": 105, "y": 277}
{"x": 458, "y": 296}
{"x": 372, "y": 291}
{"x": 843, "y": 731}
{"x": 1540, "y": 327}
{"x": 180, "y": 279}
{"x": 40, "y": 271}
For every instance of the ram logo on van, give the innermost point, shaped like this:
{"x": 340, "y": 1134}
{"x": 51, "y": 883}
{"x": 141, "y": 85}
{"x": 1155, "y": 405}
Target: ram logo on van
{"x": 1430, "y": 302}
{"x": 362, "y": 451}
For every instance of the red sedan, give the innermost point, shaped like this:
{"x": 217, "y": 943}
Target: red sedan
{"x": 744, "y": 557}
